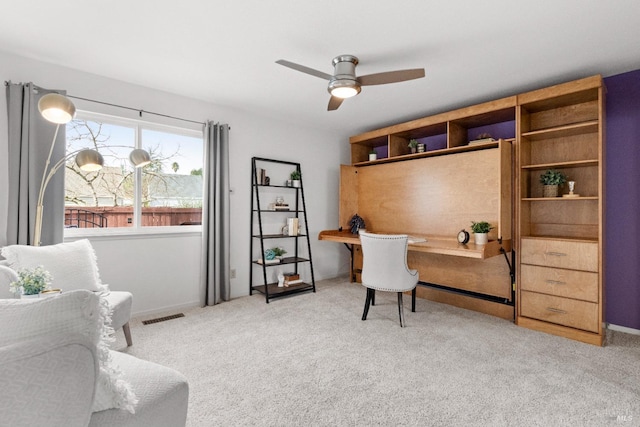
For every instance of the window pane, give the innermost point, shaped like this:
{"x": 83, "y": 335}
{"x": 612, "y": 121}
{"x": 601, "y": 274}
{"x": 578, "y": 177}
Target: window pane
{"x": 172, "y": 183}
{"x": 170, "y": 187}
{"x": 102, "y": 198}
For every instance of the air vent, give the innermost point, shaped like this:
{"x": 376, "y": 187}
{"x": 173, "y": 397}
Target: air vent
{"x": 162, "y": 319}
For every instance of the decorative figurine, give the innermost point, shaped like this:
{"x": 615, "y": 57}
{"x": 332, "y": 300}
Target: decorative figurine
{"x": 357, "y": 224}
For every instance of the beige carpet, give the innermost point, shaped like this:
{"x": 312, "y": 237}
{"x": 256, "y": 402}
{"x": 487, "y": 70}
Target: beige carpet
{"x": 309, "y": 360}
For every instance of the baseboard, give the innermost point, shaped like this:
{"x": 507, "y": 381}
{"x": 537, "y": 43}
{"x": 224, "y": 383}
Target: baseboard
{"x": 623, "y": 329}
{"x": 166, "y": 309}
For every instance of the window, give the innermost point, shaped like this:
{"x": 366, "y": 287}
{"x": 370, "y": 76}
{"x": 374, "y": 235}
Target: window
{"x": 167, "y": 192}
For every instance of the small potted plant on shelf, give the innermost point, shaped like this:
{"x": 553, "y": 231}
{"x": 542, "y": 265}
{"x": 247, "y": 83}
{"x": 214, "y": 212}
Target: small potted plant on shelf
{"x": 373, "y": 155}
{"x": 552, "y": 180}
{"x": 481, "y": 232}
{"x": 295, "y": 178}
{"x": 278, "y": 252}
{"x": 413, "y": 144}
{"x": 31, "y": 282}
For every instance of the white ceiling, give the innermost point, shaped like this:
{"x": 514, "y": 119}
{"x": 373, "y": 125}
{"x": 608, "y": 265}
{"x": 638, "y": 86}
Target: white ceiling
{"x": 224, "y": 52}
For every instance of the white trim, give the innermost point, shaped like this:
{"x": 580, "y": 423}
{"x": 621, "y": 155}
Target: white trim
{"x": 71, "y": 234}
{"x": 171, "y": 309}
{"x": 623, "y": 329}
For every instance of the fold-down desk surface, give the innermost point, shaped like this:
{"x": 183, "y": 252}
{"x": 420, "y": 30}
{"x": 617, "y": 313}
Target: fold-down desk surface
{"x": 434, "y": 244}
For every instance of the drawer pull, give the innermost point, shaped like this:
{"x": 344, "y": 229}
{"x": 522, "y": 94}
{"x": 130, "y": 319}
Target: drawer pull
{"x": 555, "y": 282}
{"x": 556, "y": 310}
{"x": 555, "y": 253}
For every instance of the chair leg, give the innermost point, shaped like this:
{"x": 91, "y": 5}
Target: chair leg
{"x": 401, "y": 309}
{"x": 366, "y": 304}
{"x": 413, "y": 300}
{"x": 127, "y": 334}
{"x": 373, "y": 296}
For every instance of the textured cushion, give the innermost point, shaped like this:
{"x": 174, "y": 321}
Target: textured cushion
{"x": 48, "y": 381}
{"x": 162, "y": 392}
{"x": 73, "y": 265}
{"x": 76, "y": 312}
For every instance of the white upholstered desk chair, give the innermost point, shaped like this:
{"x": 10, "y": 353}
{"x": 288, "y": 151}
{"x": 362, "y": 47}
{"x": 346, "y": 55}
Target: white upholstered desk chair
{"x": 385, "y": 268}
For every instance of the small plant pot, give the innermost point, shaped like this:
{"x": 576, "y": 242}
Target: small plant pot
{"x": 550, "y": 190}
{"x": 32, "y": 296}
{"x": 481, "y": 238}
{"x": 295, "y": 183}
{"x": 373, "y": 156}
{"x": 413, "y": 150}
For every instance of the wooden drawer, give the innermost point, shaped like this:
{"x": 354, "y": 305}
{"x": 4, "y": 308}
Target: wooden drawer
{"x": 560, "y": 253}
{"x": 574, "y": 284}
{"x": 563, "y": 311}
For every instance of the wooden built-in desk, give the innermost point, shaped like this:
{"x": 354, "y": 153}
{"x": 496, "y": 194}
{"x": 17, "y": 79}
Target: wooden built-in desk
{"x": 450, "y": 249}
{"x": 435, "y": 245}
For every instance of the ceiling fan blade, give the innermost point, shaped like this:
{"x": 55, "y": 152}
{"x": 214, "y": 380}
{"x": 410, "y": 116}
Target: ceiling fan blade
{"x": 391, "y": 77}
{"x": 304, "y": 69}
{"x": 334, "y": 103}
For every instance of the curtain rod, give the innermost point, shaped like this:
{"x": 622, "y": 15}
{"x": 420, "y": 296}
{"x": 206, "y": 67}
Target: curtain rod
{"x": 140, "y": 111}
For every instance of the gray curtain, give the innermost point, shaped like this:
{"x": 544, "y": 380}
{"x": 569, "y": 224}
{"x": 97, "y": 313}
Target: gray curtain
{"x": 215, "y": 216}
{"x": 30, "y": 137}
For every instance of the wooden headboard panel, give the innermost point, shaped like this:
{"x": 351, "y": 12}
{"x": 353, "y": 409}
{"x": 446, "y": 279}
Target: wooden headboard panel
{"x": 436, "y": 196}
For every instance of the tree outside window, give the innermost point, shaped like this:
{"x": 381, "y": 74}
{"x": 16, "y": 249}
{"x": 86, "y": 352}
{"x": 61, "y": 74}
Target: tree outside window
{"x": 170, "y": 187}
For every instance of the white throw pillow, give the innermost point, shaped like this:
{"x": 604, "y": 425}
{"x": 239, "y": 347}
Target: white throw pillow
{"x": 75, "y": 312}
{"x": 73, "y": 265}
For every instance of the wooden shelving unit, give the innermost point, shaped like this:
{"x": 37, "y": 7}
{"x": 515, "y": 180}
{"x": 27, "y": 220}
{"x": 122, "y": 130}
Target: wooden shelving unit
{"x": 560, "y": 239}
{"x": 443, "y": 134}
{"x": 298, "y": 209}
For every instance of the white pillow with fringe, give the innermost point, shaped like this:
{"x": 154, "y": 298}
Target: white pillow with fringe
{"x": 75, "y": 312}
{"x": 72, "y": 265}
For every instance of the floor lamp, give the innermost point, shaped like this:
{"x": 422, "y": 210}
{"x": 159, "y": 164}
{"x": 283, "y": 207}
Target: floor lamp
{"x": 60, "y": 110}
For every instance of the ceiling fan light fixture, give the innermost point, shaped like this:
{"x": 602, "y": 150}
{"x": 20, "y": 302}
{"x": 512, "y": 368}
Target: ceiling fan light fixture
{"x": 345, "y": 88}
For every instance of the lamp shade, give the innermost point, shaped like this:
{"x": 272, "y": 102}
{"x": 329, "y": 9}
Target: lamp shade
{"x": 139, "y": 158}
{"x": 56, "y": 108}
{"x": 89, "y": 160}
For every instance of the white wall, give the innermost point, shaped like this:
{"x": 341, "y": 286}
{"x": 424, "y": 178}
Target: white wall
{"x": 163, "y": 271}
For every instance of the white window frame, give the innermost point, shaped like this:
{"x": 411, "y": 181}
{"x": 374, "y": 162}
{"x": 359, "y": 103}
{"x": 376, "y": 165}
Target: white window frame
{"x": 136, "y": 229}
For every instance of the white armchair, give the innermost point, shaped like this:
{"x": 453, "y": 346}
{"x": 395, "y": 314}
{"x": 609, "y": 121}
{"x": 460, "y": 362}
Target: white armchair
{"x": 56, "y": 371}
{"x": 384, "y": 268}
{"x": 73, "y": 266}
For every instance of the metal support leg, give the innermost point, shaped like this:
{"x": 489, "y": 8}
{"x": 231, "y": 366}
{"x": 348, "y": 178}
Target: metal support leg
{"x": 373, "y": 297}
{"x": 413, "y": 300}
{"x": 366, "y": 304}
{"x": 401, "y": 309}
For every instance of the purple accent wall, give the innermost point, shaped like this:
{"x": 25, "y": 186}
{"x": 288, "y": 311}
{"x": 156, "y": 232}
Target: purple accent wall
{"x": 504, "y": 130}
{"x": 622, "y": 216}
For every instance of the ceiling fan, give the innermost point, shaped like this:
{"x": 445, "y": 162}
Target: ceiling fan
{"x": 344, "y": 83}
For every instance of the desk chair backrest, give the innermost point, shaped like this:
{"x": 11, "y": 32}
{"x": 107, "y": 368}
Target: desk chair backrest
{"x": 384, "y": 265}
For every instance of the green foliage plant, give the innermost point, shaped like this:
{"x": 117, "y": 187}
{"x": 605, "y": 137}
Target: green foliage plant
{"x": 31, "y": 281}
{"x": 480, "y": 227}
{"x": 295, "y": 175}
{"x": 413, "y": 143}
{"x": 553, "y": 177}
{"x": 278, "y": 251}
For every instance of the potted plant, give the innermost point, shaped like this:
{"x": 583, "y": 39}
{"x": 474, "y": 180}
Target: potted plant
{"x": 278, "y": 252}
{"x": 551, "y": 180}
{"x": 413, "y": 144}
{"x": 31, "y": 282}
{"x": 295, "y": 178}
{"x": 373, "y": 155}
{"x": 481, "y": 232}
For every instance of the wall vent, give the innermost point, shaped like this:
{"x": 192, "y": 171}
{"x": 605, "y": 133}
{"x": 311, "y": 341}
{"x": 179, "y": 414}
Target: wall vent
{"x": 162, "y": 319}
